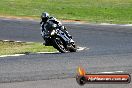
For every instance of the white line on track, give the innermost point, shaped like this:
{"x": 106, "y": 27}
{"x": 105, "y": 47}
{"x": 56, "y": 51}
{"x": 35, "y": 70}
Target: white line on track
{"x": 16, "y": 41}
{"x": 5, "y": 40}
{"x": 48, "y": 52}
{"x": 15, "y": 55}
{"x": 12, "y": 55}
{"x": 107, "y": 24}
{"x": 130, "y": 25}
{"x": 81, "y": 48}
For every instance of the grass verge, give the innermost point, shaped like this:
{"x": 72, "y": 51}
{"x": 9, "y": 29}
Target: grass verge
{"x": 8, "y": 48}
{"x": 111, "y": 11}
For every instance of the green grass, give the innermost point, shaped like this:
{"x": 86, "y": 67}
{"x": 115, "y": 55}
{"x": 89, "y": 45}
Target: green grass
{"x": 8, "y": 48}
{"x": 111, "y": 11}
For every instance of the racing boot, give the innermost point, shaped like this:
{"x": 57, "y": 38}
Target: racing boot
{"x": 46, "y": 42}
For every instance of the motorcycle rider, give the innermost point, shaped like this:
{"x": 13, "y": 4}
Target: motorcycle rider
{"x": 46, "y": 18}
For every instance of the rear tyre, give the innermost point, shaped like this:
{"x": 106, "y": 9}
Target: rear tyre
{"x": 72, "y": 48}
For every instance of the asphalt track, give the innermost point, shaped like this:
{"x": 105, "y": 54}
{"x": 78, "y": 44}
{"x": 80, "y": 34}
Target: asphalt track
{"x": 110, "y": 50}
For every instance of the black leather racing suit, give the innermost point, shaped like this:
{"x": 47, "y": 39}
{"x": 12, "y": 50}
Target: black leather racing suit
{"x": 54, "y": 20}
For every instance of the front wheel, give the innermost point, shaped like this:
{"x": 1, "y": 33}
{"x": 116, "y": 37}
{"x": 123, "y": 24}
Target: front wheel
{"x": 59, "y": 44}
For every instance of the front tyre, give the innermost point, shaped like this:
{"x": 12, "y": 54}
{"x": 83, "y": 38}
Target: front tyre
{"x": 59, "y": 44}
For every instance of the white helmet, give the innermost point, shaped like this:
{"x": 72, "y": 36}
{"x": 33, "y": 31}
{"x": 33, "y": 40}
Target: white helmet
{"x": 45, "y": 16}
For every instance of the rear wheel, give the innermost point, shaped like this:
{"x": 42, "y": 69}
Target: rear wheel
{"x": 72, "y": 48}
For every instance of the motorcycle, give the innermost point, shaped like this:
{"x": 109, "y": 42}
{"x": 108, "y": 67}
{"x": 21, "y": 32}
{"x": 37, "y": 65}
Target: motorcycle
{"x": 58, "y": 39}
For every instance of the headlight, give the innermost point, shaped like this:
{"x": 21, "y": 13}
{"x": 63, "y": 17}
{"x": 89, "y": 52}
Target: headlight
{"x": 53, "y": 32}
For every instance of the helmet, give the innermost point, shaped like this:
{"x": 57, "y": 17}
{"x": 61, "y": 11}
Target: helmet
{"x": 45, "y": 16}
